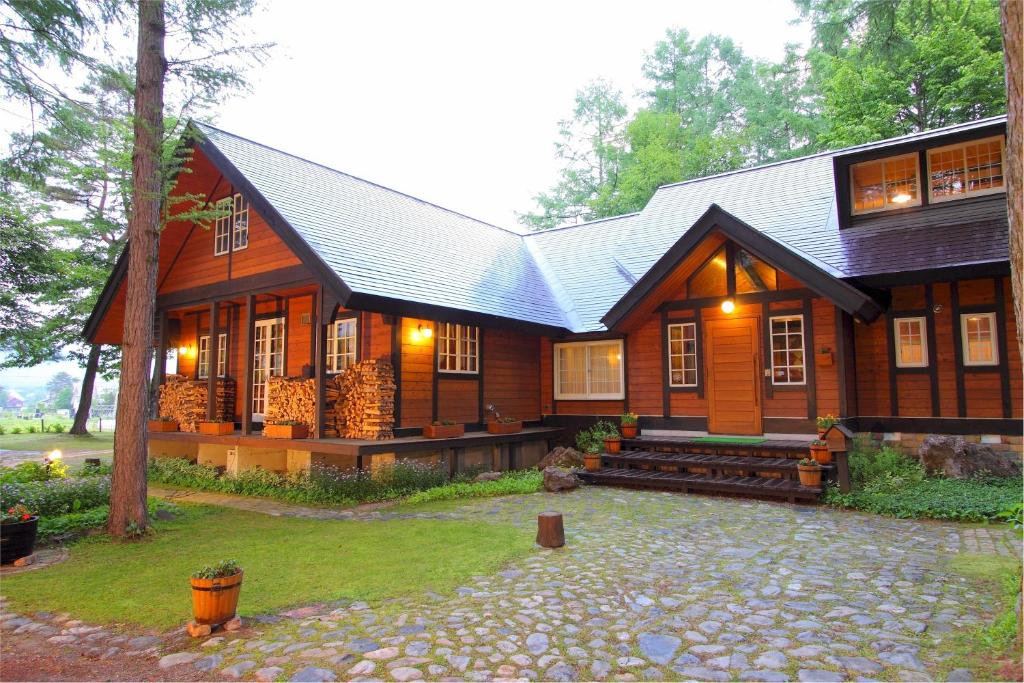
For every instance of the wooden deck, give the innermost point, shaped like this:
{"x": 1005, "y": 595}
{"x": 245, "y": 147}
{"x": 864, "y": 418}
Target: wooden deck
{"x": 688, "y": 483}
{"x": 357, "y": 447}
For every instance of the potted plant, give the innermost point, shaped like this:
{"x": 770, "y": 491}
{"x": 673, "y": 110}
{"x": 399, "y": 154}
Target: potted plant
{"x": 164, "y": 423}
{"x": 629, "y": 425}
{"x": 592, "y": 457}
{"x": 215, "y": 590}
{"x": 810, "y": 473}
{"x": 505, "y": 425}
{"x": 17, "y": 533}
{"x": 826, "y": 423}
{"x": 286, "y": 429}
{"x": 216, "y": 427}
{"x": 444, "y": 429}
{"x": 820, "y": 452}
{"x": 609, "y": 435}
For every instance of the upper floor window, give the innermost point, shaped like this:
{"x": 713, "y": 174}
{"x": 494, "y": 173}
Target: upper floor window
{"x": 203, "y": 356}
{"x": 787, "y": 333}
{"x": 885, "y": 184}
{"x": 978, "y": 332}
{"x": 911, "y": 342}
{"x": 231, "y": 230}
{"x": 965, "y": 170}
{"x": 682, "y": 354}
{"x": 589, "y": 370}
{"x": 341, "y": 344}
{"x": 458, "y": 348}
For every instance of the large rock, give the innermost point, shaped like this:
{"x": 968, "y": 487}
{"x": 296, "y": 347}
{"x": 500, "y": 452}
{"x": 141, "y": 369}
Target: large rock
{"x": 487, "y": 476}
{"x": 557, "y": 479}
{"x": 559, "y": 456}
{"x": 953, "y": 457}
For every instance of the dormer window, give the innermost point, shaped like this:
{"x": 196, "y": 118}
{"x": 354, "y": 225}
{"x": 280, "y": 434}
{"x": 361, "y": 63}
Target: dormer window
{"x": 965, "y": 170}
{"x": 884, "y": 184}
{"x": 231, "y": 230}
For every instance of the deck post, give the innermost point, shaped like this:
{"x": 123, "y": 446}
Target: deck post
{"x": 322, "y": 317}
{"x": 842, "y": 461}
{"x": 161, "y": 359}
{"x": 212, "y": 361}
{"x": 248, "y": 350}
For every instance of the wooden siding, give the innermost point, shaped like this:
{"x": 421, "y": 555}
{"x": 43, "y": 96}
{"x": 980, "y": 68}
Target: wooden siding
{"x": 512, "y": 373}
{"x": 417, "y": 375}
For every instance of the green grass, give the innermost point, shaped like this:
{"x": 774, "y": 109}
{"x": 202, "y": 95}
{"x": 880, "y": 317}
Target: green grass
{"x": 67, "y": 443}
{"x": 287, "y": 561}
{"x": 511, "y": 483}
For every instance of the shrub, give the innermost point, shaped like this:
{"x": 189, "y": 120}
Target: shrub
{"x": 24, "y": 472}
{"x": 511, "y": 483}
{"x": 61, "y": 527}
{"x": 15, "y": 430}
{"x": 57, "y": 496}
{"x": 218, "y": 571}
{"x": 32, "y": 429}
{"x": 2, "y": 430}
{"x": 884, "y": 469}
{"x": 57, "y": 428}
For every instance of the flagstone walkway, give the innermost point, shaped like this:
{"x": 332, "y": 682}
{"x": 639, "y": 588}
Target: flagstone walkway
{"x": 649, "y": 586}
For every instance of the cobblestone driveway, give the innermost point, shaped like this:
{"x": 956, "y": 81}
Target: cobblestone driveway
{"x": 649, "y": 586}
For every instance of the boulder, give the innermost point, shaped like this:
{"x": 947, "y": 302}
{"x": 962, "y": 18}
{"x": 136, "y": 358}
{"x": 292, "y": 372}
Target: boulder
{"x": 951, "y": 456}
{"x": 487, "y": 476}
{"x": 558, "y": 479}
{"x": 559, "y": 456}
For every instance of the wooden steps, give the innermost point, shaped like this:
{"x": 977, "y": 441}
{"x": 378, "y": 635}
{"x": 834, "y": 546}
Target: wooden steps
{"x": 686, "y": 483}
{"x": 769, "y": 448}
{"x": 714, "y": 463}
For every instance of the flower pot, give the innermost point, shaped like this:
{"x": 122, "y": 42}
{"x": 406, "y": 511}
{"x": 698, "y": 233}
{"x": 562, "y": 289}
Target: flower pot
{"x": 821, "y": 454}
{"x": 444, "y": 431}
{"x": 18, "y": 539}
{"x": 505, "y": 427}
{"x": 214, "y": 601}
{"x": 592, "y": 461}
{"x": 629, "y": 431}
{"x": 216, "y": 428}
{"x": 286, "y": 431}
{"x": 810, "y": 475}
{"x": 163, "y": 425}
{"x": 822, "y": 432}
{"x": 612, "y": 445}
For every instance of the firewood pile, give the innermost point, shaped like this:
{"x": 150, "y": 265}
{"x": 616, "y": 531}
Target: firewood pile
{"x": 291, "y": 398}
{"x": 365, "y": 407}
{"x": 184, "y": 400}
{"x": 334, "y": 416}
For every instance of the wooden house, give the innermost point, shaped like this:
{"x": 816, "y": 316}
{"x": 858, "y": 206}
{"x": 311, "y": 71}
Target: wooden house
{"x": 870, "y": 283}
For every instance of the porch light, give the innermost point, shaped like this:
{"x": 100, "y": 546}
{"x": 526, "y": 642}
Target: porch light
{"x": 901, "y": 198}
{"x": 728, "y": 306}
{"x": 421, "y": 333}
{"x": 55, "y": 455}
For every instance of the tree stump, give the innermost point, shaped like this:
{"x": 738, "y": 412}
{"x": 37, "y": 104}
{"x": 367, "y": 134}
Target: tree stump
{"x": 550, "y": 532}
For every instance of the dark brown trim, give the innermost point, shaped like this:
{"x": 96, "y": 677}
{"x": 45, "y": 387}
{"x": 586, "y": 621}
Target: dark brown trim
{"x": 287, "y": 312}
{"x": 396, "y": 364}
{"x": 312, "y": 330}
{"x": 937, "y": 425}
{"x": 958, "y": 349}
{"x": 730, "y": 269}
{"x": 434, "y": 387}
{"x": 890, "y": 352}
{"x": 625, "y": 374}
{"x": 749, "y": 298}
{"x": 810, "y": 373}
{"x": 283, "y": 278}
{"x": 933, "y": 352}
{"x": 772, "y": 252}
{"x": 1001, "y": 343}
{"x": 320, "y": 367}
{"x": 666, "y": 398}
{"x": 250, "y": 345}
{"x": 766, "y": 344}
{"x": 195, "y": 366}
{"x": 212, "y": 357}
{"x": 919, "y": 277}
{"x": 480, "y": 370}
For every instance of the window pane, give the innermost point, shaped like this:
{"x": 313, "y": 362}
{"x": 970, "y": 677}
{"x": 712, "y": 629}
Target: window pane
{"x": 710, "y": 280}
{"x": 682, "y": 354}
{"x": 605, "y": 360}
{"x": 753, "y": 274}
{"x": 572, "y": 370}
{"x": 787, "y": 350}
{"x": 984, "y": 166}
{"x": 867, "y": 187}
{"x": 947, "y": 172}
{"x": 901, "y": 180}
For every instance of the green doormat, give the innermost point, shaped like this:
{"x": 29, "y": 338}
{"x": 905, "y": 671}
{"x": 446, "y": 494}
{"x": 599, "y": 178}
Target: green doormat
{"x": 730, "y": 439}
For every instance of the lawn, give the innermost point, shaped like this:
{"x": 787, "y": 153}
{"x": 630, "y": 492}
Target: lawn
{"x": 287, "y": 561}
{"x": 67, "y": 443}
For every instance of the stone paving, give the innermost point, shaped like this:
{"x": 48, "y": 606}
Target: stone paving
{"x": 650, "y": 586}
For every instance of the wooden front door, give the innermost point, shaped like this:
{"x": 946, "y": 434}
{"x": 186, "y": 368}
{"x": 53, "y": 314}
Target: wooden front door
{"x": 733, "y": 376}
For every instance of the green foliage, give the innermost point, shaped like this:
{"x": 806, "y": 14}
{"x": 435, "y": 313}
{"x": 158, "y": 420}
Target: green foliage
{"x": 591, "y": 440}
{"x": 15, "y": 513}
{"x": 56, "y": 428}
{"x": 220, "y": 570}
{"x": 511, "y": 483}
{"x": 72, "y": 524}
{"x": 57, "y": 496}
{"x": 1014, "y": 515}
{"x": 24, "y": 472}
{"x": 629, "y": 418}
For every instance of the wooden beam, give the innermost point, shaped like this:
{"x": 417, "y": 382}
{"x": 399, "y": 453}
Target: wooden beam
{"x": 320, "y": 322}
{"x": 212, "y": 358}
{"x": 249, "y": 349}
{"x": 161, "y": 354}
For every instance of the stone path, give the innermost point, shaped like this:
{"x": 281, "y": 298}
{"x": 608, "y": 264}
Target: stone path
{"x": 650, "y": 586}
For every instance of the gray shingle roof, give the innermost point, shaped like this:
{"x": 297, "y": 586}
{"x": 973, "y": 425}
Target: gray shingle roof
{"x": 384, "y": 243}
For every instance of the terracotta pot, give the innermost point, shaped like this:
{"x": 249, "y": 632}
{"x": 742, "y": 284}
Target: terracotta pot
{"x": 444, "y": 431}
{"x": 821, "y": 454}
{"x": 612, "y": 445}
{"x": 18, "y": 539}
{"x": 810, "y": 475}
{"x": 286, "y": 431}
{"x": 505, "y": 427}
{"x": 163, "y": 425}
{"x": 216, "y": 428}
{"x": 821, "y": 433}
{"x": 629, "y": 431}
{"x": 592, "y": 461}
{"x": 214, "y": 601}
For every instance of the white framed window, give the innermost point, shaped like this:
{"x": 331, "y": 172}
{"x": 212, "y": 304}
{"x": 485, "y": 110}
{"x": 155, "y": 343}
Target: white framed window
{"x": 682, "y": 354}
{"x": 787, "y": 337}
{"x": 978, "y": 336}
{"x": 231, "y": 230}
{"x": 203, "y": 356}
{"x": 911, "y": 340}
{"x": 966, "y": 170}
{"x": 589, "y": 370}
{"x": 341, "y": 344}
{"x": 458, "y": 348}
{"x": 883, "y": 184}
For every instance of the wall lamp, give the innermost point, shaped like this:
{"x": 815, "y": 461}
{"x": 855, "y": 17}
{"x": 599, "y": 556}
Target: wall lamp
{"x": 421, "y": 333}
{"x": 728, "y": 306}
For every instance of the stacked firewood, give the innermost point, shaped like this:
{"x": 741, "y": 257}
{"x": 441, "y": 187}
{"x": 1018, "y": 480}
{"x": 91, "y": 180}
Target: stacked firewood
{"x": 366, "y": 401}
{"x": 184, "y": 400}
{"x": 291, "y": 399}
{"x": 334, "y": 416}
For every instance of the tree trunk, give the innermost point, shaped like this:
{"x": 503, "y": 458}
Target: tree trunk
{"x": 1013, "y": 44}
{"x": 81, "y": 425}
{"x": 128, "y": 486}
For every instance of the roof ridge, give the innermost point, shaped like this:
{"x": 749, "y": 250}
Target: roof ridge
{"x": 355, "y": 177}
{"x": 544, "y": 231}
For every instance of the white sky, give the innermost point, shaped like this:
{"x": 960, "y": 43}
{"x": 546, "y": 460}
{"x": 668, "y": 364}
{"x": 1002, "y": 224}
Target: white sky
{"x": 456, "y": 103}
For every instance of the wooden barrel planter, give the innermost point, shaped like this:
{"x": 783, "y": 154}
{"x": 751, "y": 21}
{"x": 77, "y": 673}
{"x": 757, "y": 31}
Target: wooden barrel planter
{"x": 613, "y": 445}
{"x": 629, "y": 431}
{"x": 592, "y": 461}
{"x": 810, "y": 475}
{"x": 18, "y": 539}
{"x": 214, "y": 601}
{"x": 821, "y": 453}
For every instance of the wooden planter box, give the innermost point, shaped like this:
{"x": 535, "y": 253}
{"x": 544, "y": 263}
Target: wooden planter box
{"x": 505, "y": 427}
{"x": 216, "y": 428}
{"x": 163, "y": 425}
{"x": 444, "y": 431}
{"x": 286, "y": 431}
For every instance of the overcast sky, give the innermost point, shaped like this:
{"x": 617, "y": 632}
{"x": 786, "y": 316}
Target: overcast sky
{"x": 456, "y": 103}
